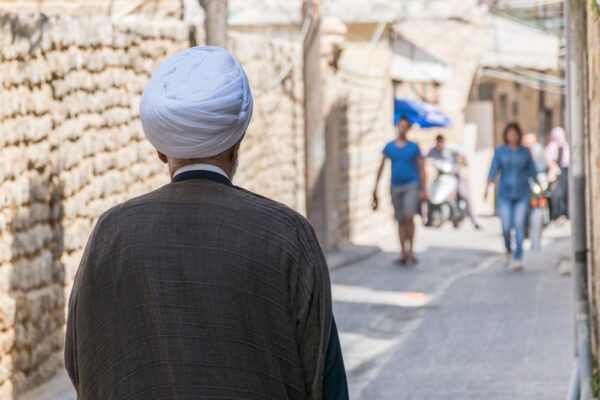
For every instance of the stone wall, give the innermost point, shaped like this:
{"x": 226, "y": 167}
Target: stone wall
{"x": 71, "y": 146}
{"x": 272, "y": 153}
{"x": 370, "y": 127}
{"x": 360, "y": 124}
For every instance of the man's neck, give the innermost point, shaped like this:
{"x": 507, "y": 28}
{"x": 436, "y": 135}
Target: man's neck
{"x": 213, "y": 167}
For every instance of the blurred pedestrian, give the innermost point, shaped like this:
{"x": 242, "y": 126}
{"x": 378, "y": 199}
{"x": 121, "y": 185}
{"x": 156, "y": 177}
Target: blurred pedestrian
{"x": 538, "y": 214}
{"x": 408, "y": 186}
{"x": 530, "y": 141}
{"x": 454, "y": 154}
{"x": 515, "y": 165}
{"x": 558, "y": 158}
{"x": 201, "y": 289}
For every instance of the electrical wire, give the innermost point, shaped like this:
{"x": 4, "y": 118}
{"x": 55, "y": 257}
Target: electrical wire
{"x": 128, "y": 10}
{"x": 535, "y": 84}
{"x": 516, "y": 4}
{"x": 286, "y": 71}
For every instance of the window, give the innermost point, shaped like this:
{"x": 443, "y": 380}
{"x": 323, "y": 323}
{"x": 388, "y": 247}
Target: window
{"x": 515, "y": 109}
{"x": 486, "y": 91}
{"x": 503, "y": 106}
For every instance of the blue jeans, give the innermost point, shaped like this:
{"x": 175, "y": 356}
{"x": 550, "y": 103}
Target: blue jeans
{"x": 513, "y": 214}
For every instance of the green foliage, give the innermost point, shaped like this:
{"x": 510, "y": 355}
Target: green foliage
{"x": 577, "y": 3}
{"x": 594, "y": 6}
{"x": 595, "y": 9}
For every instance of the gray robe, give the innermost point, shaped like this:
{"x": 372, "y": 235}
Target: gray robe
{"x": 199, "y": 290}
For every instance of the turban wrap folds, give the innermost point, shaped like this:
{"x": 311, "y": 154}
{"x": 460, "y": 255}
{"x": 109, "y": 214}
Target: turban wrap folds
{"x": 197, "y": 103}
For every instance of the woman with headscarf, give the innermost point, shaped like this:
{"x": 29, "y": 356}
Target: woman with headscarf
{"x": 537, "y": 152}
{"x": 558, "y": 157}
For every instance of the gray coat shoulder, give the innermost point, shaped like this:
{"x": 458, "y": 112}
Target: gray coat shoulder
{"x": 250, "y": 203}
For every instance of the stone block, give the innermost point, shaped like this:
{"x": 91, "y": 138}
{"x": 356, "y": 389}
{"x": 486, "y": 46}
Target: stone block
{"x": 28, "y": 216}
{"x": 70, "y": 263}
{"x": 40, "y": 334}
{"x": 6, "y": 372}
{"x": 13, "y": 161}
{"x": 25, "y": 30}
{"x": 29, "y": 273}
{"x": 7, "y": 311}
{"x": 46, "y": 370}
{"x": 76, "y": 234}
{"x": 118, "y": 116}
{"x": 6, "y": 250}
{"x": 7, "y": 339}
{"x": 76, "y": 206}
{"x": 32, "y": 240}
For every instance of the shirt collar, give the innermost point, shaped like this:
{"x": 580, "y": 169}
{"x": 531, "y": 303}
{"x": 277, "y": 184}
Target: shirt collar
{"x": 200, "y": 167}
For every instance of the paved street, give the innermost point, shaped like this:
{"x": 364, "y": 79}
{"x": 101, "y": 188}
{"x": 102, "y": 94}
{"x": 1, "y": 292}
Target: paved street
{"x": 459, "y": 325}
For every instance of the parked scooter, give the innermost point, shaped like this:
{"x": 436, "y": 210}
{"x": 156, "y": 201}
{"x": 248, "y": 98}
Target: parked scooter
{"x": 539, "y": 213}
{"x": 444, "y": 202}
{"x": 543, "y": 192}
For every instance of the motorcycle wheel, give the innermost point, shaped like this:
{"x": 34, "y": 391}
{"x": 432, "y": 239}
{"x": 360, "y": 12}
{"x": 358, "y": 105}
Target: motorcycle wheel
{"x": 546, "y": 216}
{"x": 435, "y": 218}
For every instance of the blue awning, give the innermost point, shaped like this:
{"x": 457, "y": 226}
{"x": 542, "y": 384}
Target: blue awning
{"x": 419, "y": 112}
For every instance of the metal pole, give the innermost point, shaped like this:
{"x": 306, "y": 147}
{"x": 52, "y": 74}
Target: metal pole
{"x": 215, "y": 22}
{"x": 573, "y": 393}
{"x": 577, "y": 110}
{"x": 314, "y": 124}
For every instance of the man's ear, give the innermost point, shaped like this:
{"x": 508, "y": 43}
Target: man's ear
{"x": 162, "y": 157}
{"x": 235, "y": 151}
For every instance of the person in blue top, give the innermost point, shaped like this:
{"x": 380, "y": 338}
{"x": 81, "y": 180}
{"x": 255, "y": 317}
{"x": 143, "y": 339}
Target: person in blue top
{"x": 516, "y": 168}
{"x": 408, "y": 186}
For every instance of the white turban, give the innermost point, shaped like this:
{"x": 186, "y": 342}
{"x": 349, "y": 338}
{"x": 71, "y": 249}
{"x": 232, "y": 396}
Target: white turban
{"x": 197, "y": 103}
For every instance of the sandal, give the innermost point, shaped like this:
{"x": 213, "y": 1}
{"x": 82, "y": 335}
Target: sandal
{"x": 402, "y": 260}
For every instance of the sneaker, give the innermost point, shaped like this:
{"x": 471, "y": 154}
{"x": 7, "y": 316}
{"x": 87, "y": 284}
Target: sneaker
{"x": 518, "y": 265}
{"x": 507, "y": 259}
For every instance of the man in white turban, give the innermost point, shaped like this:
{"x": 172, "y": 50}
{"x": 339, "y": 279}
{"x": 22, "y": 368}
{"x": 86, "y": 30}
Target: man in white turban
{"x": 201, "y": 289}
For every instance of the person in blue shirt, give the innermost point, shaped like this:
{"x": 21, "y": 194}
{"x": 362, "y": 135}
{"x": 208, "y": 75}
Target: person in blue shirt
{"x": 514, "y": 164}
{"x": 408, "y": 186}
